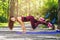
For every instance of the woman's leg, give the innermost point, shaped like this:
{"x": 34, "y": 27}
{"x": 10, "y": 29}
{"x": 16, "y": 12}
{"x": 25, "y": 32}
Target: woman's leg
{"x": 33, "y": 21}
{"x": 48, "y": 24}
{"x": 22, "y": 23}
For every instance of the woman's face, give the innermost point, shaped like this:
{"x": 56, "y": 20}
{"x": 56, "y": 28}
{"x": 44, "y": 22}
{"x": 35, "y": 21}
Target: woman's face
{"x": 13, "y": 19}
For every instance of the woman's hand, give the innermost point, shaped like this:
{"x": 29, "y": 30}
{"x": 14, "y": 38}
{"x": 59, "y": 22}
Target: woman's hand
{"x": 24, "y": 31}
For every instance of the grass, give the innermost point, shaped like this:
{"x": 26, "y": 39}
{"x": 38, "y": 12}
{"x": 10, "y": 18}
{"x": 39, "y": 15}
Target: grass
{"x": 3, "y": 24}
{"x": 42, "y": 26}
{"x": 17, "y": 24}
{"x": 6, "y": 24}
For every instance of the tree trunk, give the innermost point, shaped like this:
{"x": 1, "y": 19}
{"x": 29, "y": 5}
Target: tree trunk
{"x": 58, "y": 14}
{"x": 11, "y": 14}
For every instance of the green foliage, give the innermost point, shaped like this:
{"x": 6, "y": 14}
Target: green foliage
{"x": 36, "y": 6}
{"x": 49, "y": 6}
{"x": 3, "y": 19}
{"x": 53, "y": 9}
{"x": 4, "y": 9}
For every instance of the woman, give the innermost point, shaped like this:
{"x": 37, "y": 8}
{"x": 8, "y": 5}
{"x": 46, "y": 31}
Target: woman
{"x": 34, "y": 22}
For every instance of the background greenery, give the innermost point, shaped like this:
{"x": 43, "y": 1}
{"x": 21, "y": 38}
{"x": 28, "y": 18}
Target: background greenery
{"x": 34, "y": 7}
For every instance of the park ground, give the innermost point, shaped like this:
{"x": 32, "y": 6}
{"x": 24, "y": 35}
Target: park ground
{"x": 6, "y": 34}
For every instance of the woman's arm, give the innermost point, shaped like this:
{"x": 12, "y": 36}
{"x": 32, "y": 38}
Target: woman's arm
{"x": 22, "y": 23}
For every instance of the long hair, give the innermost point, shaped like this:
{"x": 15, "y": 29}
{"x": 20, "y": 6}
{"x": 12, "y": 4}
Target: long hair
{"x": 11, "y": 23}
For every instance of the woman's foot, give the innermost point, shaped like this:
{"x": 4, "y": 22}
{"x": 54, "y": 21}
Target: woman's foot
{"x": 50, "y": 28}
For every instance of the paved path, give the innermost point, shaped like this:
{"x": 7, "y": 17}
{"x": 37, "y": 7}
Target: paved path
{"x": 6, "y": 34}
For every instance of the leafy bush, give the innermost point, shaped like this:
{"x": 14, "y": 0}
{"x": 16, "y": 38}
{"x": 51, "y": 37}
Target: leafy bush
{"x": 3, "y": 19}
